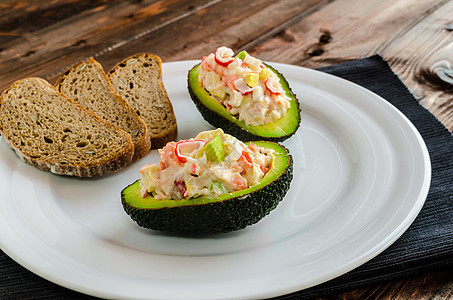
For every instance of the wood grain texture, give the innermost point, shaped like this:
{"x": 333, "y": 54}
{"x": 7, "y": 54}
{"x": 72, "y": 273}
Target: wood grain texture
{"x": 49, "y": 46}
{"x": 235, "y": 24}
{"x": 421, "y": 287}
{"x": 343, "y": 30}
{"x": 408, "y": 34}
{"x": 422, "y": 55}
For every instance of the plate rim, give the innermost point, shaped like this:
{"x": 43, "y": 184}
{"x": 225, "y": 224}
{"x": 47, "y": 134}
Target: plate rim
{"x": 379, "y": 248}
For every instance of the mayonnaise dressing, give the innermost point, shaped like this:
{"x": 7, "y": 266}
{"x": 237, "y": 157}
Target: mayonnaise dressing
{"x": 246, "y": 87}
{"x": 186, "y": 170}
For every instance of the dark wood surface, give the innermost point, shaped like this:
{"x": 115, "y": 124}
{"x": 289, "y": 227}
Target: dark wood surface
{"x": 44, "y": 38}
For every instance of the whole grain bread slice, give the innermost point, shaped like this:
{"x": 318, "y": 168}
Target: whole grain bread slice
{"x": 53, "y": 133}
{"x": 87, "y": 84}
{"x": 139, "y": 80}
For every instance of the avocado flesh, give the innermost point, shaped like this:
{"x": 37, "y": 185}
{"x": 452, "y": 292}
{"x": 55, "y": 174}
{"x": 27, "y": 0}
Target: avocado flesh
{"x": 202, "y": 215}
{"x": 217, "y": 115}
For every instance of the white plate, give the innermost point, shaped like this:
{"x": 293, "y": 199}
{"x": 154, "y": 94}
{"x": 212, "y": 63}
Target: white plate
{"x": 361, "y": 175}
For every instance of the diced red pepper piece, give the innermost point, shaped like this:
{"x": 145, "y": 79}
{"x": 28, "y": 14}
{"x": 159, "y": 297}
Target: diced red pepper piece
{"x": 239, "y": 183}
{"x": 181, "y": 187}
{"x": 254, "y": 147}
{"x": 246, "y": 158}
{"x": 194, "y": 169}
{"x": 264, "y": 169}
{"x": 168, "y": 156}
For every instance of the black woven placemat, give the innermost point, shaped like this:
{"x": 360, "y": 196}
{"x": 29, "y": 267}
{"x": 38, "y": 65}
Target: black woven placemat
{"x": 426, "y": 245}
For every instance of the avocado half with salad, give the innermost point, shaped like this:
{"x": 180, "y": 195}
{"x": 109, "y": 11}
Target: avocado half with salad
{"x": 244, "y": 96}
{"x": 212, "y": 183}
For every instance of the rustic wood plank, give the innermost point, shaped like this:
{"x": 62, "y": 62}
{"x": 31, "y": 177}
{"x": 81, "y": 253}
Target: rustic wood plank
{"x": 435, "y": 284}
{"x": 47, "y": 51}
{"x": 235, "y": 24}
{"x": 20, "y": 17}
{"x": 350, "y": 29}
{"x": 343, "y": 30}
{"x": 422, "y": 56}
{"x": 321, "y": 37}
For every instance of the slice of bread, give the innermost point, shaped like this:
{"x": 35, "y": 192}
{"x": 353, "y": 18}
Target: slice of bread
{"x": 53, "y": 133}
{"x": 88, "y": 85}
{"x": 139, "y": 80}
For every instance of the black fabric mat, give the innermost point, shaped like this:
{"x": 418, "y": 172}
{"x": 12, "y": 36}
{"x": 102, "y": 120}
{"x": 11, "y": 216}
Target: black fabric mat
{"x": 428, "y": 243}
{"x": 425, "y": 246}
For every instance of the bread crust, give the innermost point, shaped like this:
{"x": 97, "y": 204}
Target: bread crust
{"x": 141, "y": 145}
{"x": 103, "y": 166}
{"x": 169, "y": 133}
{"x": 107, "y": 167}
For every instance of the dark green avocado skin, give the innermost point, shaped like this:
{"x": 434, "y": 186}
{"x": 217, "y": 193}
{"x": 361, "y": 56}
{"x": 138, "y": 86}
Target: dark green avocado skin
{"x": 216, "y": 217}
{"x": 218, "y": 121}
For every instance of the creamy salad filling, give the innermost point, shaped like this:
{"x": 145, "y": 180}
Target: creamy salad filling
{"x": 244, "y": 85}
{"x": 211, "y": 164}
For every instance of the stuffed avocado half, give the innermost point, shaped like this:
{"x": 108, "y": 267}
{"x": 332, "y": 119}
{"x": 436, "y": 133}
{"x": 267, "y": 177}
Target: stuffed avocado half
{"x": 244, "y": 96}
{"x": 210, "y": 184}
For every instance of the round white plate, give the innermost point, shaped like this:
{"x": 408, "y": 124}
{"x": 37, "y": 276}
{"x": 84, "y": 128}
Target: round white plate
{"x": 361, "y": 176}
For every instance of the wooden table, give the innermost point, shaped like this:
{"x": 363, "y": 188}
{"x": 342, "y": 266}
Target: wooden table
{"x": 43, "y": 38}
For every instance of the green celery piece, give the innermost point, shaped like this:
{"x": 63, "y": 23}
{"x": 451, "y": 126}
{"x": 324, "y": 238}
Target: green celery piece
{"x": 214, "y": 150}
{"x": 218, "y": 185}
{"x": 242, "y": 55}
